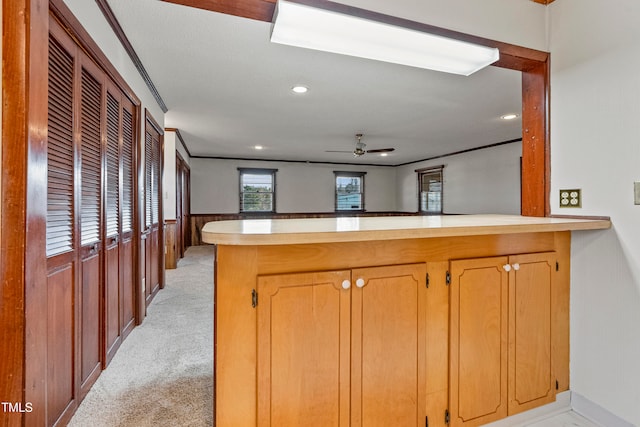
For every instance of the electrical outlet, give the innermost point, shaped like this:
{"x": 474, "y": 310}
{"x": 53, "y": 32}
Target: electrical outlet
{"x": 636, "y": 193}
{"x": 571, "y": 198}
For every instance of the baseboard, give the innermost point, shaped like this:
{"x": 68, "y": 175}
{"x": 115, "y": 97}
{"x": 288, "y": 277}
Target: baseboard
{"x": 596, "y": 413}
{"x": 561, "y": 405}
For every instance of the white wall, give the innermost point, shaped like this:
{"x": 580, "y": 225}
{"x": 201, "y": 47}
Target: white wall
{"x": 595, "y": 146}
{"x": 93, "y": 21}
{"x": 91, "y": 18}
{"x": 300, "y": 187}
{"x": 483, "y": 181}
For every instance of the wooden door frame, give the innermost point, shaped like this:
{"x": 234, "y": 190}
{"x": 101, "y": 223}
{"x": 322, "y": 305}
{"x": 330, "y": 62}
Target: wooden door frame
{"x": 23, "y": 204}
{"x": 534, "y": 65}
{"x": 179, "y": 235}
{"x": 185, "y": 192}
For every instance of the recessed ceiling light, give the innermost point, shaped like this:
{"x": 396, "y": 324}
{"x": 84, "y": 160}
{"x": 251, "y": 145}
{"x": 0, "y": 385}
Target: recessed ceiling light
{"x": 510, "y": 116}
{"x": 384, "y": 154}
{"x": 300, "y": 89}
{"x": 258, "y": 147}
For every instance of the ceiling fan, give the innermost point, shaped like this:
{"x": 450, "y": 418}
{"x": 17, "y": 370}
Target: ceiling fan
{"x": 360, "y": 148}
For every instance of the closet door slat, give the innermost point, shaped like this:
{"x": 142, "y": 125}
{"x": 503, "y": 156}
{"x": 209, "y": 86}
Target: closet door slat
{"x": 113, "y": 190}
{"x": 128, "y": 169}
{"x": 90, "y": 127}
{"x": 60, "y": 151}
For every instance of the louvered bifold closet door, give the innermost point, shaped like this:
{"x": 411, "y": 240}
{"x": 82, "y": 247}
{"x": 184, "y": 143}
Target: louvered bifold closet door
{"x": 153, "y": 233}
{"x": 148, "y": 178}
{"x": 61, "y": 254}
{"x": 112, "y": 273}
{"x": 156, "y": 223}
{"x": 92, "y": 169}
{"x": 148, "y": 231}
{"x": 127, "y": 194}
{"x": 91, "y": 129}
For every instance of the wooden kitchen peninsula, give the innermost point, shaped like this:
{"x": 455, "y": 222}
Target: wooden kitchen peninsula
{"x": 385, "y": 321}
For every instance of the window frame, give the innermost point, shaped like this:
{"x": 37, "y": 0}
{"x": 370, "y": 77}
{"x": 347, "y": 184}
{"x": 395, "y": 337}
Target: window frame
{"x": 257, "y": 171}
{"x": 430, "y": 171}
{"x": 349, "y": 174}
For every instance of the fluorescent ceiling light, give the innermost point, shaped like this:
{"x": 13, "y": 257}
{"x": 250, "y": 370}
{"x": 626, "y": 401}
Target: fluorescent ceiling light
{"x": 305, "y": 26}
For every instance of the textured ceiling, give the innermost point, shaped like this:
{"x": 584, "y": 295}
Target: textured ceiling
{"x": 227, "y": 89}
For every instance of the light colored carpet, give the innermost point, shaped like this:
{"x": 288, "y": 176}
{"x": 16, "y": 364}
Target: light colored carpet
{"x": 162, "y": 375}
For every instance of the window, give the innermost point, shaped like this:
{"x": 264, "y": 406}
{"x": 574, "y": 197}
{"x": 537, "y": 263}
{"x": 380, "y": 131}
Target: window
{"x": 430, "y": 189}
{"x": 349, "y": 191}
{"x": 257, "y": 190}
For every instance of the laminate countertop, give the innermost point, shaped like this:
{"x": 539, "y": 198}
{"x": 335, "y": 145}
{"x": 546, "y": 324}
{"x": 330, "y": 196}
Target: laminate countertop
{"x": 361, "y": 229}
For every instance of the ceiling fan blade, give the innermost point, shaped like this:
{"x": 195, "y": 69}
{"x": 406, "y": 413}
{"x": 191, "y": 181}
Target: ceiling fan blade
{"x": 334, "y": 151}
{"x": 381, "y": 150}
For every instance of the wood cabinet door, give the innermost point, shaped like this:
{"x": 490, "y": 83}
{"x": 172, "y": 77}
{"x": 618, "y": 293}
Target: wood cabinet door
{"x": 478, "y": 341}
{"x": 531, "y": 381}
{"x": 304, "y": 349}
{"x": 388, "y": 383}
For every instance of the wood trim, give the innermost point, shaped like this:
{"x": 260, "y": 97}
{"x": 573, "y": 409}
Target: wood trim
{"x": 183, "y": 163}
{"x": 171, "y": 252}
{"x": 117, "y": 29}
{"x": 180, "y": 138}
{"x": 545, "y": 2}
{"x": 315, "y": 162}
{"x": 261, "y": 10}
{"x": 24, "y": 130}
{"x": 468, "y": 150}
{"x": 536, "y": 150}
{"x": 149, "y": 118}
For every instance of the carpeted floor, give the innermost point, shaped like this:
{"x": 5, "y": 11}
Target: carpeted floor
{"x": 162, "y": 375}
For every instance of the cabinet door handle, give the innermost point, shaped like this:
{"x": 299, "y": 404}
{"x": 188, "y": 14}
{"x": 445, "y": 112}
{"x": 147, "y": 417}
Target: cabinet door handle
{"x": 346, "y": 284}
{"x": 506, "y": 267}
{"x": 360, "y": 282}
{"x": 516, "y": 266}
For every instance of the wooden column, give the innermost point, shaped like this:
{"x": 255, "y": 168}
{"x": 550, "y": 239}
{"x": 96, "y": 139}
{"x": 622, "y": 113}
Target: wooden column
{"x": 535, "y": 141}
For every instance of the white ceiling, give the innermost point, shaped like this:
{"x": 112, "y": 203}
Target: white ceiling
{"x": 228, "y": 89}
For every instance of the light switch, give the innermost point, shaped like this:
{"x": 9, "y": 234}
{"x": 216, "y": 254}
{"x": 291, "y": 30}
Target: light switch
{"x": 571, "y": 198}
{"x": 636, "y": 193}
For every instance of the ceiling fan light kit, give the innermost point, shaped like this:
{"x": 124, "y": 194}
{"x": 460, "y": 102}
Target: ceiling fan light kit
{"x": 302, "y": 25}
{"x": 360, "y": 148}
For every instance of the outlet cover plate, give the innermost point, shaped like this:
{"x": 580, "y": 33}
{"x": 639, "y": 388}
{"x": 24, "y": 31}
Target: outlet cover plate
{"x": 636, "y": 193}
{"x": 571, "y": 198}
